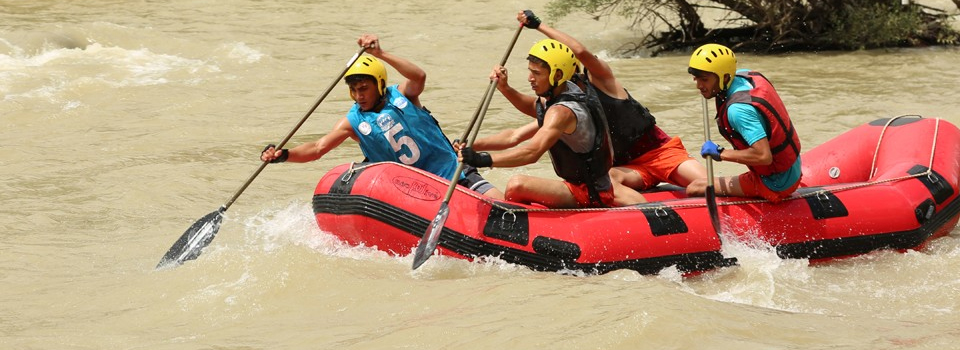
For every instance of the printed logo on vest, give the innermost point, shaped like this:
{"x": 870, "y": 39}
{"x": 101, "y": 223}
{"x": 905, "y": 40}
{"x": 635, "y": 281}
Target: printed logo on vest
{"x": 385, "y": 121}
{"x": 365, "y": 128}
{"x": 400, "y": 102}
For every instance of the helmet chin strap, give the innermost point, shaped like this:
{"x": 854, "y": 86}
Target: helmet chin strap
{"x": 721, "y": 92}
{"x": 550, "y": 92}
{"x": 721, "y": 96}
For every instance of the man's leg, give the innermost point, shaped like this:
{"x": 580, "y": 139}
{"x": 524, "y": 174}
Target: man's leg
{"x": 627, "y": 176}
{"x": 687, "y": 172}
{"x": 531, "y": 189}
{"x": 474, "y": 181}
{"x": 722, "y": 186}
{"x": 623, "y": 195}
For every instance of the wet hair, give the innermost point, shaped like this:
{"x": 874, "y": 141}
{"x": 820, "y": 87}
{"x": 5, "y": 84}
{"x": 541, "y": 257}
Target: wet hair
{"x": 356, "y": 78}
{"x": 539, "y": 61}
{"x": 697, "y": 72}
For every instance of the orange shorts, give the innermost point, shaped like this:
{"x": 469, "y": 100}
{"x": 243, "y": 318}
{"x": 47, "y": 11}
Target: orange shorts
{"x": 582, "y": 195}
{"x": 753, "y": 186}
{"x": 658, "y": 164}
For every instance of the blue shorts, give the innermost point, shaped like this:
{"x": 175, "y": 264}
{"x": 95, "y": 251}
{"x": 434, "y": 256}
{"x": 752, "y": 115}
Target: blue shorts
{"x": 474, "y": 181}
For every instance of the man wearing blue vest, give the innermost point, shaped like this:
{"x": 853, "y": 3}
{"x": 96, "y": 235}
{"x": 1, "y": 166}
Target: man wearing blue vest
{"x": 389, "y": 122}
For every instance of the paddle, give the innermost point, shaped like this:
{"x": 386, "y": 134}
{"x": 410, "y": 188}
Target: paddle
{"x": 711, "y": 195}
{"x": 199, "y": 235}
{"x": 428, "y": 242}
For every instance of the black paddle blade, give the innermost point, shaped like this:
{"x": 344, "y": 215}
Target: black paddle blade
{"x": 428, "y": 243}
{"x": 712, "y": 208}
{"x": 192, "y": 242}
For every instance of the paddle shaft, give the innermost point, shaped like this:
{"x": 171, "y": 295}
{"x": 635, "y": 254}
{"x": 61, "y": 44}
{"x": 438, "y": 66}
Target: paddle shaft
{"x": 430, "y": 239}
{"x": 470, "y": 134}
{"x": 706, "y": 137}
{"x": 711, "y": 196}
{"x": 296, "y": 127}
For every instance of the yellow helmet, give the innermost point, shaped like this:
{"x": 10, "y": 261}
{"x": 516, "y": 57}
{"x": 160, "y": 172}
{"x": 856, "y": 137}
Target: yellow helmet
{"x": 557, "y": 56}
{"x": 716, "y": 59}
{"x": 370, "y": 66}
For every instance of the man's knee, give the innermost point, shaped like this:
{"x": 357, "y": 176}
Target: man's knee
{"x": 517, "y": 187}
{"x": 697, "y": 187}
{"x": 616, "y": 175}
{"x": 691, "y": 170}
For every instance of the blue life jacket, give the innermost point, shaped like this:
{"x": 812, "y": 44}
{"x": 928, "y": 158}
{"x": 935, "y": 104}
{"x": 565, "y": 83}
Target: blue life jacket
{"x": 404, "y": 133}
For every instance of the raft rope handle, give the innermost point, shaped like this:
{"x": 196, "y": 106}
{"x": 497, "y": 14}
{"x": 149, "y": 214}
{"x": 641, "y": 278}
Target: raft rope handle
{"x": 513, "y": 211}
{"x": 876, "y": 151}
{"x": 928, "y": 173}
{"x": 819, "y": 194}
{"x": 661, "y": 208}
{"x": 822, "y": 196}
{"x": 347, "y": 175}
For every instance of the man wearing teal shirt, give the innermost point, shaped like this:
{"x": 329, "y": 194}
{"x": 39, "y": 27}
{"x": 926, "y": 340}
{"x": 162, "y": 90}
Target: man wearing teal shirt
{"x": 751, "y": 116}
{"x": 389, "y": 122}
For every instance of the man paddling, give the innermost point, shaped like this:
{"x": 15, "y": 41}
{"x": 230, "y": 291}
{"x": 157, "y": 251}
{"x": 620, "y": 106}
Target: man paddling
{"x": 751, "y": 116}
{"x": 569, "y": 124}
{"x": 644, "y": 155}
{"x": 389, "y": 122}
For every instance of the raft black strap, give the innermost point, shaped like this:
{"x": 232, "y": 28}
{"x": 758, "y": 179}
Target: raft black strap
{"x": 824, "y": 204}
{"x": 344, "y": 183}
{"x": 938, "y": 186}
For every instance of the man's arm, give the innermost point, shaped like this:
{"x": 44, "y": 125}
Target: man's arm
{"x": 416, "y": 78}
{"x": 526, "y": 104}
{"x": 506, "y": 138}
{"x": 601, "y": 75}
{"x": 315, "y": 150}
{"x": 557, "y": 121}
{"x": 757, "y": 154}
{"x": 746, "y": 120}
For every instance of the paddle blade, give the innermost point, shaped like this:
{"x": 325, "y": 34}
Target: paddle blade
{"x": 192, "y": 242}
{"x": 712, "y": 208}
{"x": 428, "y": 243}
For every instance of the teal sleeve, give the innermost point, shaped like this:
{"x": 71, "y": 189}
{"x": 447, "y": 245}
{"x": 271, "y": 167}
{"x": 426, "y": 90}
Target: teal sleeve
{"x": 745, "y": 119}
{"x": 783, "y": 181}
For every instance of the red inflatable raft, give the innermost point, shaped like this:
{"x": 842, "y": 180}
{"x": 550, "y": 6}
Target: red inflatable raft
{"x": 888, "y": 184}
